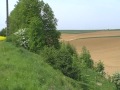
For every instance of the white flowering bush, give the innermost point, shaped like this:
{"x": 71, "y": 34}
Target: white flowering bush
{"x": 22, "y": 38}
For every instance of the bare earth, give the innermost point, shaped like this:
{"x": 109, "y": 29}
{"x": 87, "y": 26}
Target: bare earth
{"x": 103, "y": 45}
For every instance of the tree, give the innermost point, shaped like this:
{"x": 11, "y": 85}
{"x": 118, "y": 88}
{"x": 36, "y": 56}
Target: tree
{"x": 85, "y": 58}
{"x": 100, "y": 68}
{"x": 50, "y": 22}
{"x": 39, "y": 18}
{"x": 36, "y": 35}
{"x": 3, "y": 32}
{"x": 63, "y": 60}
{"x": 21, "y": 16}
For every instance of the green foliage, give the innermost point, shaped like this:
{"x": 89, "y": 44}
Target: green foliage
{"x": 66, "y": 64}
{"x": 36, "y": 35}
{"x": 49, "y": 55}
{"x": 23, "y": 70}
{"x": 52, "y": 38}
{"x": 20, "y": 38}
{"x": 66, "y": 60}
{"x": 94, "y": 80}
{"x": 39, "y": 18}
{"x": 21, "y": 16}
{"x": 11, "y": 38}
{"x": 62, "y": 59}
{"x": 100, "y": 68}
{"x": 71, "y": 49}
{"x": 85, "y": 58}
{"x": 116, "y": 80}
{"x": 50, "y": 22}
{"x": 3, "y": 32}
{"x": 20, "y": 69}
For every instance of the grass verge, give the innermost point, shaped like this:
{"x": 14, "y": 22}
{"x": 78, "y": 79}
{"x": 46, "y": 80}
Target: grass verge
{"x": 23, "y": 70}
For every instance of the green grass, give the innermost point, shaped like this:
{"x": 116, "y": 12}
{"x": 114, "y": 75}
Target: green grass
{"x": 97, "y": 81}
{"x": 23, "y": 70}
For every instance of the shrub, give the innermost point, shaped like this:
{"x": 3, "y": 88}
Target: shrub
{"x": 19, "y": 38}
{"x": 11, "y": 38}
{"x": 36, "y": 35}
{"x": 66, "y": 64}
{"x": 49, "y": 54}
{"x": 116, "y": 80}
{"x": 63, "y": 60}
{"x": 71, "y": 49}
{"x": 3, "y": 32}
{"x": 100, "y": 68}
{"x": 85, "y": 58}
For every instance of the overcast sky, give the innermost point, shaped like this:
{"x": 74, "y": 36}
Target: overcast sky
{"x": 78, "y": 14}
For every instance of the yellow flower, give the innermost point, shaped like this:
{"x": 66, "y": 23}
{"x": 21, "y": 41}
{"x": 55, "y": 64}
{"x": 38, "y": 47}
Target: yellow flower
{"x": 2, "y": 38}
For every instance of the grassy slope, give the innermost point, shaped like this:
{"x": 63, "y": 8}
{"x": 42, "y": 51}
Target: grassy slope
{"x": 23, "y": 70}
{"x": 97, "y": 82}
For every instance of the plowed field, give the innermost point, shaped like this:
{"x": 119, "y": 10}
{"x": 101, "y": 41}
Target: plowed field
{"x": 103, "y": 45}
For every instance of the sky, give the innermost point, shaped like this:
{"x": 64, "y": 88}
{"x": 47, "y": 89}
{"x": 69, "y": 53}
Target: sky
{"x": 77, "y": 14}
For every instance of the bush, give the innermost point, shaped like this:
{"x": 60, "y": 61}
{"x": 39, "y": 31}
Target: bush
{"x": 71, "y": 49}
{"x": 85, "y": 58}
{"x": 20, "y": 38}
{"x": 66, "y": 64}
{"x": 23, "y": 39}
{"x": 116, "y": 80}
{"x": 49, "y": 54}
{"x": 3, "y": 32}
{"x": 36, "y": 35}
{"x": 63, "y": 60}
{"x": 100, "y": 68}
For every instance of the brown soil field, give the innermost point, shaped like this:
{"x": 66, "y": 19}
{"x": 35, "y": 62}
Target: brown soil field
{"x": 69, "y": 37}
{"x": 102, "y": 46}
